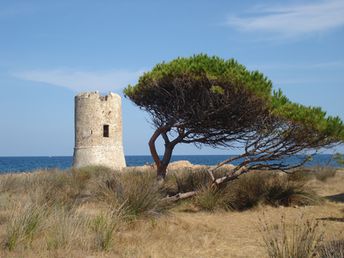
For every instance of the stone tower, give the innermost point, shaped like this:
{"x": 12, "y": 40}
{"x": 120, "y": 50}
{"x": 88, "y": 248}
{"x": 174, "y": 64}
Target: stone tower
{"x": 98, "y": 130}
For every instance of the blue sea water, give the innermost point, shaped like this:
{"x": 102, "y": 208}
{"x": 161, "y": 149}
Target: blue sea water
{"x": 26, "y": 164}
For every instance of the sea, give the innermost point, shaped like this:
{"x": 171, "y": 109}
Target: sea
{"x": 28, "y": 164}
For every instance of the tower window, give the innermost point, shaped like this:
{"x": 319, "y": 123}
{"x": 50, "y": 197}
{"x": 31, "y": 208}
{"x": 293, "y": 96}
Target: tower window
{"x": 105, "y": 130}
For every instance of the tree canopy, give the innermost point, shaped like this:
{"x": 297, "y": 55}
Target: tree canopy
{"x": 206, "y": 100}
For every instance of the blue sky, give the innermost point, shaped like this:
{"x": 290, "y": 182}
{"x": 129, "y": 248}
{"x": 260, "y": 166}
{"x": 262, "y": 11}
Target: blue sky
{"x": 50, "y": 50}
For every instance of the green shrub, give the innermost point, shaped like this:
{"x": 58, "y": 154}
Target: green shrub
{"x": 269, "y": 188}
{"x": 256, "y": 188}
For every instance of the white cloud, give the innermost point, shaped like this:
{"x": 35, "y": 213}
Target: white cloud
{"x": 102, "y": 81}
{"x": 292, "y": 20}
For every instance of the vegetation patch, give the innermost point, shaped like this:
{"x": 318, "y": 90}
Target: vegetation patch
{"x": 300, "y": 239}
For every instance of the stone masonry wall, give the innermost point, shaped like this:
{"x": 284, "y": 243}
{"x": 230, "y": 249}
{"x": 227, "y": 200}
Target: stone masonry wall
{"x": 92, "y": 112}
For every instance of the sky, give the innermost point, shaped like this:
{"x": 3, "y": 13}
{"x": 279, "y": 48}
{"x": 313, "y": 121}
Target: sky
{"x": 51, "y": 50}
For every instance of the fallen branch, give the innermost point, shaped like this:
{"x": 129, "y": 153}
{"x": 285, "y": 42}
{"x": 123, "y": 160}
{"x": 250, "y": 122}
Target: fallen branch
{"x": 229, "y": 177}
{"x": 180, "y": 196}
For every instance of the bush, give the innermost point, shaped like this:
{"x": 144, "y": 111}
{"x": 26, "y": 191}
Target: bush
{"x": 258, "y": 188}
{"x": 282, "y": 191}
{"x": 137, "y": 193}
{"x": 321, "y": 173}
{"x": 186, "y": 180}
{"x": 210, "y": 199}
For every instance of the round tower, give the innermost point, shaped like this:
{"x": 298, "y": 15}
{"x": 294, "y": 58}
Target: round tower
{"x": 98, "y": 131}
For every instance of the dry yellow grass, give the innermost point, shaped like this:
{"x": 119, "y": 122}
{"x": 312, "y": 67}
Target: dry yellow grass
{"x": 71, "y": 232}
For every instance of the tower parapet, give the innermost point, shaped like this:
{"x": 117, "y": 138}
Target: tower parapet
{"x": 98, "y": 130}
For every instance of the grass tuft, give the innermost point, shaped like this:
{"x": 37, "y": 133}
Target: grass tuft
{"x": 332, "y": 249}
{"x": 23, "y": 225}
{"x": 104, "y": 226}
{"x": 138, "y": 193}
{"x": 65, "y": 229}
{"x": 299, "y": 239}
{"x": 210, "y": 199}
{"x": 257, "y": 188}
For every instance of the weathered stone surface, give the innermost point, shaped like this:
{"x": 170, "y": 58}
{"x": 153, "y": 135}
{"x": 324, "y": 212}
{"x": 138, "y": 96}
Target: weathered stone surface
{"x": 228, "y": 167}
{"x": 92, "y": 112}
{"x": 180, "y": 164}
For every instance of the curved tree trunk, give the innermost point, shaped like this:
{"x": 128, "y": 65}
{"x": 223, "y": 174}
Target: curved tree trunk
{"x": 152, "y": 148}
{"x": 162, "y": 169}
{"x": 160, "y": 164}
{"x": 169, "y": 146}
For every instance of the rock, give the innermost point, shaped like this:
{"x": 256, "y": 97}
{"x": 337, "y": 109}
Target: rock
{"x": 180, "y": 164}
{"x": 228, "y": 166}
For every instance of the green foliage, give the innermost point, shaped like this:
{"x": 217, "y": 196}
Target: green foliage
{"x": 225, "y": 76}
{"x": 217, "y": 89}
{"x": 214, "y": 68}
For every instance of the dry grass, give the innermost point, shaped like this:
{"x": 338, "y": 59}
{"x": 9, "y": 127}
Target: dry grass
{"x": 79, "y": 213}
{"x": 300, "y": 239}
{"x": 23, "y": 225}
{"x": 137, "y": 193}
{"x": 332, "y": 249}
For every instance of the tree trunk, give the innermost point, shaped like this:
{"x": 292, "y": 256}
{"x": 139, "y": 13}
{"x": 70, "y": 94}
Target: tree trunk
{"x": 162, "y": 168}
{"x": 152, "y": 148}
{"x": 169, "y": 146}
{"x": 161, "y": 164}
